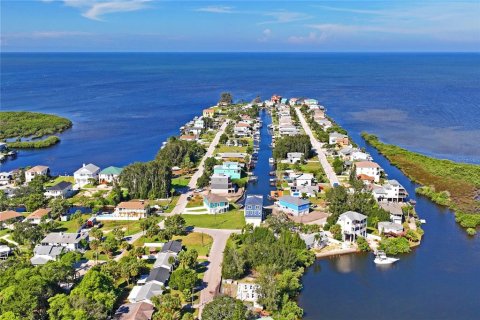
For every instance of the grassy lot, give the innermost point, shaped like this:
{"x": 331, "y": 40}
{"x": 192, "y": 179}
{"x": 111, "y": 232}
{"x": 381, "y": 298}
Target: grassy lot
{"x": 198, "y": 241}
{"x": 4, "y": 232}
{"x": 180, "y": 182}
{"x": 196, "y": 201}
{"x": 59, "y": 179}
{"x": 223, "y": 148}
{"x": 459, "y": 181}
{"x": 231, "y": 220}
{"x": 69, "y": 226}
{"x": 90, "y": 255}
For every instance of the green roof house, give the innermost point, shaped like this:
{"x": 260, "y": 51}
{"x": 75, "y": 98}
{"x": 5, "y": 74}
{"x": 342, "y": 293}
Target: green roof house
{"x": 109, "y": 175}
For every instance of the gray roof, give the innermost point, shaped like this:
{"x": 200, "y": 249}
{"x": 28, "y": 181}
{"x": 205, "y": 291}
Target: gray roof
{"x": 172, "y": 246}
{"x": 60, "y": 237}
{"x": 352, "y": 215}
{"x": 159, "y": 274}
{"x": 296, "y": 201}
{"x": 149, "y": 290}
{"x": 394, "y": 182}
{"x": 254, "y": 199}
{"x": 62, "y": 185}
{"x": 162, "y": 259}
{"x": 337, "y": 135}
{"x": 46, "y": 250}
{"x": 390, "y": 225}
{"x": 90, "y": 167}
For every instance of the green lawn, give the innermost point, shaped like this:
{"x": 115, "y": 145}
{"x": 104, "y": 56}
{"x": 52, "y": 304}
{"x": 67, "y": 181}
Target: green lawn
{"x": 198, "y": 241}
{"x": 223, "y": 148}
{"x": 196, "y": 201}
{"x": 4, "y": 232}
{"x": 230, "y": 220}
{"x": 90, "y": 255}
{"x": 131, "y": 227}
{"x": 59, "y": 179}
{"x": 180, "y": 182}
{"x": 70, "y": 226}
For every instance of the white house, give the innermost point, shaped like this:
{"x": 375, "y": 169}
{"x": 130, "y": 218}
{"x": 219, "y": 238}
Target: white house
{"x": 304, "y": 179}
{"x": 70, "y": 241}
{"x": 360, "y": 156}
{"x": 5, "y": 178}
{"x": 353, "y": 225}
{"x": 294, "y": 157}
{"x": 129, "y": 210}
{"x": 63, "y": 190}
{"x": 241, "y": 129}
{"x": 247, "y": 291}
{"x": 390, "y": 227}
{"x": 109, "y": 175}
{"x": 338, "y": 138}
{"x": 36, "y": 171}
{"x": 368, "y": 168}
{"x": 391, "y": 191}
{"x": 145, "y": 292}
{"x": 45, "y": 253}
{"x": 36, "y": 216}
{"x": 83, "y": 175}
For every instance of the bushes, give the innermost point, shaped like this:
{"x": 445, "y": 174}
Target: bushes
{"x": 471, "y": 232}
{"x": 299, "y": 143}
{"x": 363, "y": 244}
{"x": 468, "y": 220}
{"x": 395, "y": 245}
{"x": 35, "y": 144}
{"x": 26, "y": 124}
{"x": 442, "y": 197}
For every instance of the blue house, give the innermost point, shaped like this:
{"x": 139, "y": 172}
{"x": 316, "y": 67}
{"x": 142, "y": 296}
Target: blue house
{"x": 294, "y": 205}
{"x": 254, "y": 209}
{"x": 215, "y": 204}
{"x": 231, "y": 169}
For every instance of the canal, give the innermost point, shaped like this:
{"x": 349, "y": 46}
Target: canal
{"x": 438, "y": 280}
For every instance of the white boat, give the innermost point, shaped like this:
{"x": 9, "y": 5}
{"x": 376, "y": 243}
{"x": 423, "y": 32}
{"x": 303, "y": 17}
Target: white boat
{"x": 271, "y": 160}
{"x": 381, "y": 258}
{"x": 423, "y": 221}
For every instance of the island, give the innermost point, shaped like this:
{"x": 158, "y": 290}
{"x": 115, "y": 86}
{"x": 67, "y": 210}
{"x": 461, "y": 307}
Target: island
{"x": 31, "y": 130}
{"x": 447, "y": 183}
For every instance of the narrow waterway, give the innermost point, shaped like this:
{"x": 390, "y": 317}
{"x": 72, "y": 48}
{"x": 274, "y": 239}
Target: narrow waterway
{"x": 438, "y": 280}
{"x": 262, "y": 168}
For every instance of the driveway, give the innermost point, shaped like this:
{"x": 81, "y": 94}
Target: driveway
{"x": 213, "y": 276}
{"x": 182, "y": 201}
{"x": 317, "y": 146}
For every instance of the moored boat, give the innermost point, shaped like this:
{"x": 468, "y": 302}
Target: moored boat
{"x": 381, "y": 258}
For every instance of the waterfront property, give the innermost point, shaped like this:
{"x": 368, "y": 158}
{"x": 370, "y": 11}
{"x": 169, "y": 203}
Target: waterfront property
{"x": 353, "y": 225}
{"x": 215, "y": 203}
{"x": 109, "y": 174}
{"x": 70, "y": 241}
{"x": 247, "y": 291}
{"x": 86, "y": 174}
{"x": 63, "y": 189}
{"x": 391, "y": 191}
{"x": 230, "y": 169}
{"x": 5, "y": 178}
{"x": 208, "y": 113}
{"x": 221, "y": 184}
{"x": 338, "y": 139}
{"x": 390, "y": 227}
{"x": 36, "y": 171}
{"x": 294, "y": 205}
{"x": 293, "y": 157}
{"x": 254, "y": 209}
{"x": 242, "y": 129}
{"x": 368, "y": 168}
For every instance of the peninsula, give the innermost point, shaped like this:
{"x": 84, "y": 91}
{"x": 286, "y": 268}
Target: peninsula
{"x": 447, "y": 183}
{"x": 30, "y": 130}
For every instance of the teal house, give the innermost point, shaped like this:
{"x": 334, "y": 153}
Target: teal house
{"x": 109, "y": 175}
{"x": 215, "y": 204}
{"x": 230, "y": 169}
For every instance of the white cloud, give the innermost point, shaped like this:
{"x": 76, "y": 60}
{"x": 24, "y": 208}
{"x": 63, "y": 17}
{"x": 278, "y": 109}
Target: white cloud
{"x": 95, "y": 9}
{"x": 216, "y": 9}
{"x": 312, "y": 37}
{"x": 266, "y": 34}
{"x": 282, "y": 16}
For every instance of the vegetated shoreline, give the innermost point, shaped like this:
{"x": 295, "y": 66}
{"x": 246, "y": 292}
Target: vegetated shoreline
{"x": 445, "y": 182}
{"x": 35, "y": 125}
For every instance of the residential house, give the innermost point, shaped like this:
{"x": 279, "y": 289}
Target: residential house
{"x": 36, "y": 216}
{"x": 110, "y": 174}
{"x": 163, "y": 260}
{"x": 70, "y": 241}
{"x": 294, "y": 205}
{"x": 134, "y": 311}
{"x": 360, "y": 156}
{"x": 3, "y": 146}
{"x": 308, "y": 191}
{"x": 241, "y": 129}
{"x": 159, "y": 275}
{"x": 188, "y": 137}
{"x": 353, "y": 225}
{"x": 304, "y": 179}
{"x": 288, "y": 130}
{"x": 45, "y": 253}
{"x": 215, "y": 203}
{"x": 230, "y": 169}
{"x": 276, "y": 98}
{"x": 247, "y": 291}
{"x": 338, "y": 138}
{"x": 314, "y": 240}
{"x": 172, "y": 246}
{"x": 63, "y": 189}
{"x": 325, "y": 123}
{"x": 199, "y": 123}
{"x": 390, "y": 227}
{"x": 294, "y": 157}
{"x": 196, "y": 131}
{"x": 5, "y": 178}
{"x": 145, "y": 292}
{"x": 8, "y": 218}
{"x": 368, "y": 168}
{"x": 232, "y": 155}
{"x": 85, "y": 174}
{"x": 131, "y": 210}
{"x": 208, "y": 113}
{"x": 310, "y": 102}
{"x": 254, "y": 209}
{"x": 391, "y": 191}
{"x": 36, "y": 171}
{"x": 221, "y": 184}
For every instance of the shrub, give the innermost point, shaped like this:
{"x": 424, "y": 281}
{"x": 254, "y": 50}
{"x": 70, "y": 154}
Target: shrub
{"x": 471, "y": 232}
{"x": 363, "y": 244}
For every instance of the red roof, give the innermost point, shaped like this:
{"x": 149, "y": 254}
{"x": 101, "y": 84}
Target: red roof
{"x": 366, "y": 164}
{"x": 10, "y": 214}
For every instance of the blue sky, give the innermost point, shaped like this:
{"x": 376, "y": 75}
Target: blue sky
{"x": 149, "y": 25}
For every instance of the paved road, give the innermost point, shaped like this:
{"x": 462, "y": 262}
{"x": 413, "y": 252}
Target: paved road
{"x": 182, "y": 201}
{"x": 317, "y": 146}
{"x": 213, "y": 275}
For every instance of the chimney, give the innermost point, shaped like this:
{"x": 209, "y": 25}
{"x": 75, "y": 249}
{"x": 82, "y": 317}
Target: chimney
{"x": 84, "y": 164}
